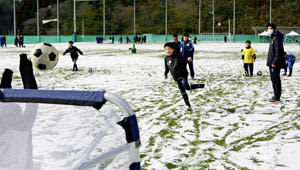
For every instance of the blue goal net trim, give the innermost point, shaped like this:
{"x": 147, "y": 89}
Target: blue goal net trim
{"x": 130, "y": 126}
{"x": 66, "y": 97}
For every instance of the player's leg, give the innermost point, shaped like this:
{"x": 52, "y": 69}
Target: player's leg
{"x": 251, "y": 65}
{"x": 290, "y": 65}
{"x": 285, "y": 69}
{"x": 191, "y": 67}
{"x": 246, "y": 68}
{"x": 75, "y": 64}
{"x": 187, "y": 86}
{"x": 183, "y": 93}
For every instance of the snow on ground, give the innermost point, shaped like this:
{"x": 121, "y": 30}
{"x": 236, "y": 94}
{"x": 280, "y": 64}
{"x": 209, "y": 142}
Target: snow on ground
{"x": 233, "y": 127}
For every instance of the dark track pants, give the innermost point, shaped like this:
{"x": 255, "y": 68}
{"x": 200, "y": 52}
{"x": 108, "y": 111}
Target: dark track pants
{"x": 191, "y": 67}
{"x": 184, "y": 85}
{"x": 247, "y": 67}
{"x": 276, "y": 82}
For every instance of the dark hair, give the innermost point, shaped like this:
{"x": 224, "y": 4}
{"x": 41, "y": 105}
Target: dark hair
{"x": 175, "y": 35}
{"x": 285, "y": 53}
{"x": 272, "y": 25}
{"x": 70, "y": 42}
{"x": 186, "y": 35}
{"x": 169, "y": 44}
{"x": 248, "y": 41}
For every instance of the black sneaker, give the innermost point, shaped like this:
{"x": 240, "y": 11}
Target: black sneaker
{"x": 274, "y": 100}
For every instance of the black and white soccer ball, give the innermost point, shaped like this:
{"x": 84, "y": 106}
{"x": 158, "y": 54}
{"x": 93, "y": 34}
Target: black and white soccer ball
{"x": 245, "y": 74}
{"x": 259, "y": 73}
{"x": 44, "y": 56}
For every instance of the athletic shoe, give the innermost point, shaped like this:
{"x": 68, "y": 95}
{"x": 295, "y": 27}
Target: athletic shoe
{"x": 188, "y": 108}
{"x": 274, "y": 100}
{"x": 207, "y": 87}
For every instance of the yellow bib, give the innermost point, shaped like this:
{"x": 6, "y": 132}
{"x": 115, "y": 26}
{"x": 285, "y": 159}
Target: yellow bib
{"x": 248, "y": 55}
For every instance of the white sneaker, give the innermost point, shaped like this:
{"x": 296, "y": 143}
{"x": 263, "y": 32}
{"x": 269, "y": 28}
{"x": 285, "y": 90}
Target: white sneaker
{"x": 188, "y": 108}
{"x": 207, "y": 87}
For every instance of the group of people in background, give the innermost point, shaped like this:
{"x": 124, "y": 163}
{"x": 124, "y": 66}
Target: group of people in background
{"x": 136, "y": 39}
{"x": 140, "y": 40}
{"x": 19, "y": 42}
{"x": 277, "y": 59}
{"x": 3, "y": 41}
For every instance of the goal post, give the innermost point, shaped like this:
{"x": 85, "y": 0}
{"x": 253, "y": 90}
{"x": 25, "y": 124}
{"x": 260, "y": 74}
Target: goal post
{"x": 95, "y": 99}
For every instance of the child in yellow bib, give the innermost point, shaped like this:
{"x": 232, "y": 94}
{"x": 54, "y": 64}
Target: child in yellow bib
{"x": 248, "y": 56}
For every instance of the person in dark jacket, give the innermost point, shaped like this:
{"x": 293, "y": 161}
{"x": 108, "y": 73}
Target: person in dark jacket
{"x": 289, "y": 63}
{"x": 276, "y": 60}
{"x": 4, "y": 40}
{"x": 177, "y": 45}
{"x": 225, "y": 39}
{"x": 74, "y": 54}
{"x": 21, "y": 41}
{"x": 16, "y": 41}
{"x": 188, "y": 53}
{"x": 1, "y": 41}
{"x": 175, "y": 64}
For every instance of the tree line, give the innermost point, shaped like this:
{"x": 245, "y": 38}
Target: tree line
{"x": 183, "y": 16}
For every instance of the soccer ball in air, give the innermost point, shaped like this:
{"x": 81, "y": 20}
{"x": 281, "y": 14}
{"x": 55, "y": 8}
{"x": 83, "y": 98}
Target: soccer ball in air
{"x": 44, "y": 56}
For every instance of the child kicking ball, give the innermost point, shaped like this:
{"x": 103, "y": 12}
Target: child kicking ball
{"x": 177, "y": 66}
{"x": 74, "y": 54}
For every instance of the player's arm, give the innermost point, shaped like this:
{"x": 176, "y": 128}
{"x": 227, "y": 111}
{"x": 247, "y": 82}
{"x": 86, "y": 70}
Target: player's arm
{"x": 166, "y": 69}
{"x": 80, "y": 52}
{"x": 243, "y": 54}
{"x": 253, "y": 54}
{"x": 67, "y": 51}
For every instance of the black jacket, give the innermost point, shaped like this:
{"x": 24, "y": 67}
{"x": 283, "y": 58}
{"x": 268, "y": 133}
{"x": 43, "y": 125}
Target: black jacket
{"x": 177, "y": 66}
{"x": 276, "y": 50}
{"x": 73, "y": 51}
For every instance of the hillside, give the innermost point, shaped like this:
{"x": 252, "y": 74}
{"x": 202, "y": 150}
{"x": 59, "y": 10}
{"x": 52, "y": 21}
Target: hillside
{"x": 150, "y": 15}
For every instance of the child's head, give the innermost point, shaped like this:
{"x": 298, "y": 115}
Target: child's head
{"x": 175, "y": 37}
{"x": 70, "y": 43}
{"x": 169, "y": 48}
{"x": 186, "y": 37}
{"x": 248, "y": 43}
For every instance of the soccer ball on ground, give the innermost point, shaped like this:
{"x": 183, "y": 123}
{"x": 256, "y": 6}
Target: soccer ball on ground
{"x": 259, "y": 73}
{"x": 245, "y": 74}
{"x": 44, "y": 56}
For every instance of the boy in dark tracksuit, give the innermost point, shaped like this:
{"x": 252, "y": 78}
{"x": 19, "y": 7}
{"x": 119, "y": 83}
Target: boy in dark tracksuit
{"x": 289, "y": 63}
{"x": 175, "y": 64}
{"x": 188, "y": 53}
{"x": 74, "y": 54}
{"x": 177, "y": 45}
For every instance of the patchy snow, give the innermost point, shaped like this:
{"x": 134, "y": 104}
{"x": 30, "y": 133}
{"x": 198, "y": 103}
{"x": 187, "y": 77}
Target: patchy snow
{"x": 234, "y": 126}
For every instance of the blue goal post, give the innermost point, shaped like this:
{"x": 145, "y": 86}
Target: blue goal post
{"x": 94, "y": 99}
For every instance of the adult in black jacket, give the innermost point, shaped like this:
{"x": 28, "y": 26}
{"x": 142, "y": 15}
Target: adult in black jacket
{"x": 275, "y": 60}
{"x": 176, "y": 64}
{"x": 74, "y": 54}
